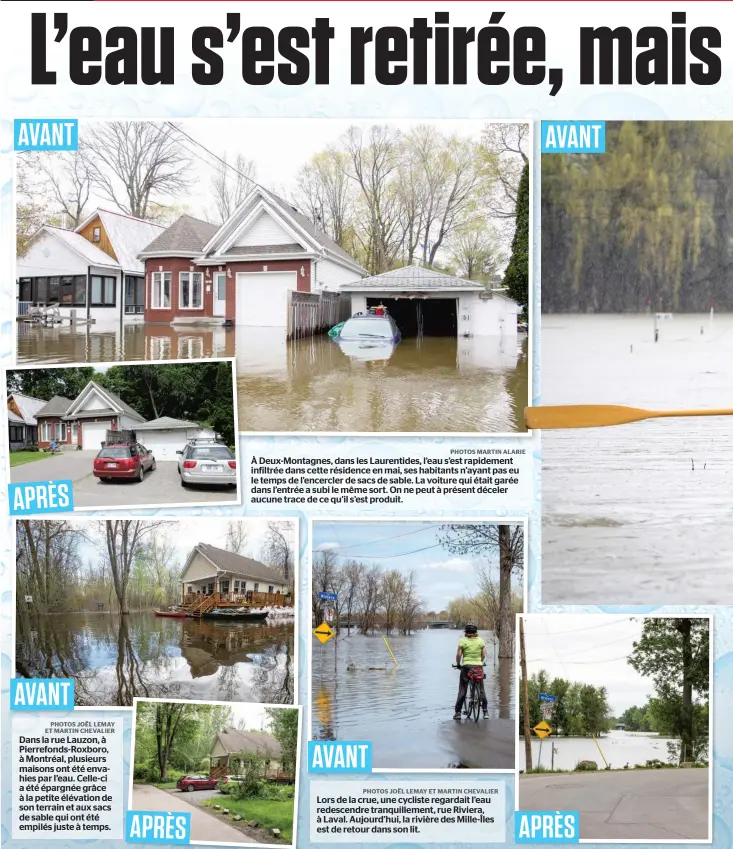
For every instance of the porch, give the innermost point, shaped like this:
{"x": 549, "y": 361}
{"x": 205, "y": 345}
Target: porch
{"x": 196, "y": 604}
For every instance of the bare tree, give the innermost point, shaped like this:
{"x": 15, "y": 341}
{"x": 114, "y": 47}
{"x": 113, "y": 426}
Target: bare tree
{"x": 504, "y": 150}
{"x": 67, "y": 184}
{"x": 278, "y": 550}
{"x": 231, "y": 184}
{"x": 409, "y": 604}
{"x": 122, "y": 540}
{"x": 237, "y": 536}
{"x": 370, "y": 598}
{"x": 324, "y": 188}
{"x": 353, "y": 573}
{"x": 134, "y": 163}
{"x": 475, "y": 251}
{"x": 392, "y": 590}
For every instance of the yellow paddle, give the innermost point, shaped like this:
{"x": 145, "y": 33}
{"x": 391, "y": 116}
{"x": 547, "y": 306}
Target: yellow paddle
{"x": 601, "y": 415}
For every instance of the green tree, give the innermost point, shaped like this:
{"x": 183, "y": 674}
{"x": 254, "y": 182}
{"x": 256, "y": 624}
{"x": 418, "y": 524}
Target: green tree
{"x": 45, "y": 383}
{"x": 675, "y": 654}
{"x": 516, "y": 276}
{"x": 284, "y": 728}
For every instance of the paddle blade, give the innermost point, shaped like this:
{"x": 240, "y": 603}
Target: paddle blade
{"x": 582, "y": 415}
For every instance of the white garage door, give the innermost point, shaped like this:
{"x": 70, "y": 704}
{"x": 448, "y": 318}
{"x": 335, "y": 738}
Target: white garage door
{"x": 163, "y": 443}
{"x": 93, "y": 434}
{"x": 262, "y": 297}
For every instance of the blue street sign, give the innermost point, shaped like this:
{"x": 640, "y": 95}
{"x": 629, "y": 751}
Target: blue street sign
{"x": 328, "y": 596}
{"x": 544, "y": 697}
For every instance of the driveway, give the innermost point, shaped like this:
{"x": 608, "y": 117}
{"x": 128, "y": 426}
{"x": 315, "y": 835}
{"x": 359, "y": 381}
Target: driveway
{"x": 163, "y": 486}
{"x": 625, "y": 805}
{"x": 205, "y": 828}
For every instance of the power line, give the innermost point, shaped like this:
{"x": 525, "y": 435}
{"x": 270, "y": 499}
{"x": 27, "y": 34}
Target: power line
{"x": 391, "y": 556}
{"x": 383, "y": 539}
{"x": 589, "y": 628}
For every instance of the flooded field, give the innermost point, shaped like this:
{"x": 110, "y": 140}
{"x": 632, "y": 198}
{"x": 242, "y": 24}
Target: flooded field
{"x": 619, "y": 748}
{"x": 432, "y": 384}
{"x": 115, "y": 658}
{"x": 641, "y": 513}
{"x": 396, "y": 708}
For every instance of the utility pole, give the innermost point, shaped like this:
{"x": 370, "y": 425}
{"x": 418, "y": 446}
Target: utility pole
{"x": 525, "y": 699}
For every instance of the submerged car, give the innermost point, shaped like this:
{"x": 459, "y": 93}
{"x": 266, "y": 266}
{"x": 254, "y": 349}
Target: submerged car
{"x": 369, "y": 336}
{"x": 207, "y": 462}
{"x": 189, "y": 783}
{"x": 123, "y": 461}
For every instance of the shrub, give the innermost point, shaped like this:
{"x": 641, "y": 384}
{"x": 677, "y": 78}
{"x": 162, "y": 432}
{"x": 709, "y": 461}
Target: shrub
{"x": 253, "y": 769}
{"x": 141, "y": 772}
{"x": 586, "y": 766}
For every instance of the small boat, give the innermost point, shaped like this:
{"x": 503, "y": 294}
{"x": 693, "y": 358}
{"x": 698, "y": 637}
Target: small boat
{"x": 239, "y": 615}
{"x": 177, "y": 614}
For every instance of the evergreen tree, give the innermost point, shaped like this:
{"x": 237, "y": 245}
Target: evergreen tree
{"x": 516, "y": 276}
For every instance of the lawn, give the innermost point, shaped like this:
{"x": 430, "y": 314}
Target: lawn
{"x": 18, "y": 458}
{"x": 269, "y": 813}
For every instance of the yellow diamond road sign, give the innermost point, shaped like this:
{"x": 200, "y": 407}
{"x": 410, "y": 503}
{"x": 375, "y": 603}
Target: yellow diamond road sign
{"x": 324, "y": 632}
{"x": 542, "y": 730}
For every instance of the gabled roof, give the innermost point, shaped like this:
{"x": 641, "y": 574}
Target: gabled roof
{"x": 235, "y": 741}
{"x": 90, "y": 253}
{"x": 28, "y": 407}
{"x": 127, "y": 235}
{"x": 57, "y": 406}
{"x": 117, "y": 405}
{"x": 236, "y": 564}
{"x": 300, "y": 227}
{"x": 412, "y": 277}
{"x": 166, "y": 423}
{"x": 186, "y": 236}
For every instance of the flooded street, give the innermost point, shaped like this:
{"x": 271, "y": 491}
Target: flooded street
{"x": 640, "y": 513}
{"x": 619, "y": 748}
{"x": 433, "y": 384}
{"x": 396, "y": 707}
{"x": 115, "y": 658}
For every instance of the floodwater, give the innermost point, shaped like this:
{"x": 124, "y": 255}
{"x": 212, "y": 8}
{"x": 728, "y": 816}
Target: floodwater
{"x": 619, "y": 748}
{"x": 114, "y": 658}
{"x": 639, "y": 513}
{"x": 407, "y": 711}
{"x": 431, "y": 384}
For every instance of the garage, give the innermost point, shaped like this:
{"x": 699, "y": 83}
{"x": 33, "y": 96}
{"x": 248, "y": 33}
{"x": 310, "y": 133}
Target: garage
{"x": 93, "y": 434}
{"x": 165, "y": 436}
{"x": 262, "y": 297}
{"x": 421, "y": 316}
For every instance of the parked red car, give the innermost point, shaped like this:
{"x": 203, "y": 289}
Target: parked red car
{"x": 129, "y": 461}
{"x": 196, "y": 782}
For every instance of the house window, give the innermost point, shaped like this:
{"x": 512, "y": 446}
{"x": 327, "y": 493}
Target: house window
{"x": 103, "y": 291}
{"x": 257, "y": 588}
{"x": 53, "y": 290}
{"x": 236, "y": 586}
{"x": 61, "y": 431}
{"x": 161, "y": 294}
{"x": 75, "y": 431}
{"x": 97, "y": 234}
{"x": 25, "y": 288}
{"x": 134, "y": 295}
{"x": 41, "y": 290}
{"x": 243, "y": 586}
{"x": 73, "y": 291}
{"x": 225, "y": 587}
{"x": 271, "y": 589}
{"x": 45, "y": 432}
{"x": 191, "y": 287}
{"x": 16, "y": 433}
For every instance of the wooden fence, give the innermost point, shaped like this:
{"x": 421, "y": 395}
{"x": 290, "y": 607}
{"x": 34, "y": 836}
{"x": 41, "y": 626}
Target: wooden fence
{"x": 310, "y": 313}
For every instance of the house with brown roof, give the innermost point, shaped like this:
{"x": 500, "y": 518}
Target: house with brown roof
{"x": 242, "y": 271}
{"x": 230, "y": 747}
{"x": 93, "y": 269}
{"x": 228, "y": 578}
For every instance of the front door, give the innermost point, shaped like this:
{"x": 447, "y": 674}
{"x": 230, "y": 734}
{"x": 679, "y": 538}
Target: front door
{"x": 220, "y": 294}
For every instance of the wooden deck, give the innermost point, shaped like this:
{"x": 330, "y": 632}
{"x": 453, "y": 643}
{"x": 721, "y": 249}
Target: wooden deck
{"x": 196, "y": 605}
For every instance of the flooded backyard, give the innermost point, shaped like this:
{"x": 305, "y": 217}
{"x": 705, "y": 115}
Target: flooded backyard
{"x": 641, "y": 513}
{"x": 432, "y": 384}
{"x": 619, "y": 749}
{"x": 114, "y": 658}
{"x": 407, "y": 711}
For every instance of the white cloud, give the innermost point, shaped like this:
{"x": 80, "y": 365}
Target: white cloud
{"x": 327, "y": 546}
{"x": 453, "y": 564}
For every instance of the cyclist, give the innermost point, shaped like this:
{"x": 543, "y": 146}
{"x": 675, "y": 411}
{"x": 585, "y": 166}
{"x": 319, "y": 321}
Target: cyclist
{"x": 471, "y": 653}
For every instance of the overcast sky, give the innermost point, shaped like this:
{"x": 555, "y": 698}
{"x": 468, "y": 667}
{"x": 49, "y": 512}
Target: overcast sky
{"x": 590, "y": 649}
{"x": 279, "y": 147}
{"x": 441, "y": 576}
{"x": 186, "y": 534}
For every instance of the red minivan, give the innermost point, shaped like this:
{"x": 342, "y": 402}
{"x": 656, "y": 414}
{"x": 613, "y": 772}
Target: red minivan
{"x": 196, "y": 782}
{"x": 129, "y": 461}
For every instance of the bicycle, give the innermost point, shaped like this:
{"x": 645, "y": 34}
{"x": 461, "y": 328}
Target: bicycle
{"x": 472, "y": 705}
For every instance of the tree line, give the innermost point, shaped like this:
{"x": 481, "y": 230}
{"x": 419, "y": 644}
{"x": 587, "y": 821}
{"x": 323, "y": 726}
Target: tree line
{"x": 645, "y": 226}
{"x": 579, "y": 710}
{"x": 198, "y": 392}
{"x": 133, "y": 565}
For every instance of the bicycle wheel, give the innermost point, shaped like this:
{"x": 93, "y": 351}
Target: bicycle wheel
{"x": 475, "y": 701}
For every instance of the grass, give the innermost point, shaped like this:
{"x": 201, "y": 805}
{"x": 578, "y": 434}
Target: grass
{"x": 19, "y": 458}
{"x": 165, "y": 785}
{"x": 269, "y": 813}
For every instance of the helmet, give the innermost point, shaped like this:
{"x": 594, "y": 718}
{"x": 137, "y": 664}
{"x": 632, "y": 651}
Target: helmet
{"x": 470, "y": 629}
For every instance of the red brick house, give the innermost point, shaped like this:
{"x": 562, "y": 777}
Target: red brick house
{"x": 242, "y": 271}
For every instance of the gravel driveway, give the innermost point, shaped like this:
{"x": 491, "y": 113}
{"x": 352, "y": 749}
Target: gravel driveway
{"x": 163, "y": 486}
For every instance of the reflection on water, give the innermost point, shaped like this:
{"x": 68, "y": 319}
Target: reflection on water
{"x": 115, "y": 658}
{"x": 639, "y": 514}
{"x": 619, "y": 748}
{"x": 407, "y": 711}
{"x": 477, "y": 384}
{"x": 107, "y": 342}
{"x": 433, "y": 384}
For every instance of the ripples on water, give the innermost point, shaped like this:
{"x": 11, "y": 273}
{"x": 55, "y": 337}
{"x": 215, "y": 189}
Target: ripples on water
{"x": 407, "y": 712}
{"x": 641, "y": 513}
{"x": 114, "y": 658}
